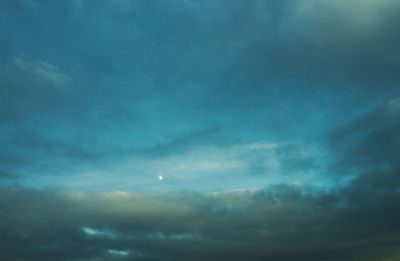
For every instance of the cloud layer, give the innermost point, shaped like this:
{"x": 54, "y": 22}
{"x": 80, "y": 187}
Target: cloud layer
{"x": 279, "y": 223}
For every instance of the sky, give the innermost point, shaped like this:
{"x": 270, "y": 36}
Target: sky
{"x": 248, "y": 130}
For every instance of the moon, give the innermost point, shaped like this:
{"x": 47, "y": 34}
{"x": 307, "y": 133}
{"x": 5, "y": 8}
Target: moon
{"x": 160, "y": 177}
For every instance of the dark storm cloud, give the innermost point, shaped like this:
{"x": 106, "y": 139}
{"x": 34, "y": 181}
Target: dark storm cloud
{"x": 279, "y": 223}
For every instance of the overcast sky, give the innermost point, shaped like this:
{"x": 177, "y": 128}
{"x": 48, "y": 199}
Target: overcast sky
{"x": 200, "y": 130}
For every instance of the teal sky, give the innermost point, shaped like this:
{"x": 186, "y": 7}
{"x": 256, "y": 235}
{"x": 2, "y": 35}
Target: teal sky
{"x": 250, "y": 101}
{"x": 212, "y": 95}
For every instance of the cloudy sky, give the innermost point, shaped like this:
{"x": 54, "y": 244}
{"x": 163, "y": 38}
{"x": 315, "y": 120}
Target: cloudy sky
{"x": 248, "y": 130}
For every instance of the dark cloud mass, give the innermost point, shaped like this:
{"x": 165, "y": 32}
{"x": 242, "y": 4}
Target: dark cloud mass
{"x": 278, "y": 223}
{"x": 254, "y": 130}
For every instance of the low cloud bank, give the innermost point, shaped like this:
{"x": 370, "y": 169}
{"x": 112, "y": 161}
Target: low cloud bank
{"x": 278, "y": 223}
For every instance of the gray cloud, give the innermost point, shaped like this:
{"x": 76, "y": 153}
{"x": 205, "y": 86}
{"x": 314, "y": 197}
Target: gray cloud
{"x": 279, "y": 223}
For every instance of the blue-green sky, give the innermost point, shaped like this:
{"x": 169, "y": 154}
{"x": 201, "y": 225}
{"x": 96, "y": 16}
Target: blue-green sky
{"x": 211, "y": 96}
